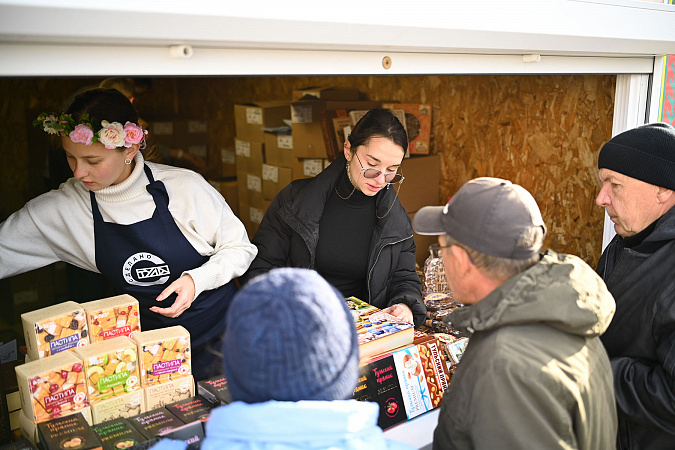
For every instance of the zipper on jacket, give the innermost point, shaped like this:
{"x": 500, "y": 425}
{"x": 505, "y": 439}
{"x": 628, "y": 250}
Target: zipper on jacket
{"x": 370, "y": 272}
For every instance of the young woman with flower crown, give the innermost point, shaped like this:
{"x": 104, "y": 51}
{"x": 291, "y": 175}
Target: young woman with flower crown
{"x": 161, "y": 234}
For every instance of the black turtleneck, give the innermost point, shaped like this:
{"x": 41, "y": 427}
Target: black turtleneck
{"x": 345, "y": 231}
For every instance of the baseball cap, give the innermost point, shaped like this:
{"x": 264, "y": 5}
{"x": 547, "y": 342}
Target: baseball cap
{"x": 489, "y": 215}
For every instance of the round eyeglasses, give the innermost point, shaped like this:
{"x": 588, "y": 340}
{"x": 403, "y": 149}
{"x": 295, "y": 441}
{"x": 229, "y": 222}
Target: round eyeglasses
{"x": 389, "y": 178}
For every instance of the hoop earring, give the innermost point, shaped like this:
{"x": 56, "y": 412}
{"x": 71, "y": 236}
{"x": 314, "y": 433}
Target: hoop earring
{"x": 127, "y": 161}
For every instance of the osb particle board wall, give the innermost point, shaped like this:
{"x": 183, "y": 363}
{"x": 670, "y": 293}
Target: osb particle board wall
{"x": 541, "y": 131}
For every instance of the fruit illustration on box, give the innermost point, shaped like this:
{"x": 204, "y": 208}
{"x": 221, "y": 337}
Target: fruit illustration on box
{"x": 57, "y": 392}
{"x": 63, "y": 333}
{"x": 113, "y": 322}
{"x": 166, "y": 360}
{"x": 112, "y": 374}
{"x": 391, "y": 407}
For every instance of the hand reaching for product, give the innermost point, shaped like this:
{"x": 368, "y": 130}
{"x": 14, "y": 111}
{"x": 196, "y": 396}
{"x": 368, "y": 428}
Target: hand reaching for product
{"x": 401, "y": 311}
{"x": 184, "y": 287}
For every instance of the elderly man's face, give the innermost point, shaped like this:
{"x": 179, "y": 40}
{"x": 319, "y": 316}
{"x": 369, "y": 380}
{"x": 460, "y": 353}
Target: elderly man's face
{"x": 631, "y": 204}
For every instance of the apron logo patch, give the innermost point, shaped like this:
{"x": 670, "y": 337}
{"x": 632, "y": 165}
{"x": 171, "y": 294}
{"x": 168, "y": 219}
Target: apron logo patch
{"x": 145, "y": 269}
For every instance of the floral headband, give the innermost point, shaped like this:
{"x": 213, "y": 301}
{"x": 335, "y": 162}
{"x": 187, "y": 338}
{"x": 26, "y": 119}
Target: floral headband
{"x": 111, "y": 135}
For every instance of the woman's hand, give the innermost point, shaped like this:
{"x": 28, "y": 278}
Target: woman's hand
{"x": 401, "y": 311}
{"x": 184, "y": 287}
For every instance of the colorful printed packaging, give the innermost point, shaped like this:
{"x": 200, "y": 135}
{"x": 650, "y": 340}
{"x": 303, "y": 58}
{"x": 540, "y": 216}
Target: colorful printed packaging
{"x": 215, "y": 390}
{"x": 54, "y": 329}
{"x": 191, "y": 409}
{"x": 112, "y": 317}
{"x": 68, "y": 432}
{"x": 169, "y": 392}
{"x": 127, "y": 405}
{"x": 164, "y": 354}
{"x": 29, "y": 429}
{"x": 51, "y": 387}
{"x": 111, "y": 368}
{"x": 118, "y": 434}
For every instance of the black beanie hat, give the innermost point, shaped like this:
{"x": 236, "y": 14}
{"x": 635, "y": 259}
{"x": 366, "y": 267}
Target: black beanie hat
{"x": 646, "y": 153}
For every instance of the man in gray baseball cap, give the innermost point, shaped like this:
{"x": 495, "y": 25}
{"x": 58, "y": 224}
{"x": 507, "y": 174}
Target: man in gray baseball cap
{"x": 535, "y": 374}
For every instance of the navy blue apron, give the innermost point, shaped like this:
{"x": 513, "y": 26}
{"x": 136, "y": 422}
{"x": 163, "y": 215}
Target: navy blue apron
{"x": 143, "y": 258}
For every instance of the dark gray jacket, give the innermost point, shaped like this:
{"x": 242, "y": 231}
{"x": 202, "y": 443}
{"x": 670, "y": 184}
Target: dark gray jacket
{"x": 534, "y": 374}
{"x": 289, "y": 232}
{"x": 640, "y": 341}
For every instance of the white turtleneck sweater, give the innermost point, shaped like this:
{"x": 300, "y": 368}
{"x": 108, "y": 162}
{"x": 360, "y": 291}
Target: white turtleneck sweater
{"x": 59, "y": 226}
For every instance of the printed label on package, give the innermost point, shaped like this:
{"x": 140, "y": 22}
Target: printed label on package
{"x": 254, "y": 116}
{"x": 270, "y": 173}
{"x": 253, "y": 183}
{"x": 285, "y": 141}
{"x": 242, "y": 148}
{"x": 60, "y": 398}
{"x": 227, "y": 156}
{"x": 301, "y": 113}
{"x": 123, "y": 331}
{"x": 109, "y": 382}
{"x": 65, "y": 343}
{"x": 163, "y": 367}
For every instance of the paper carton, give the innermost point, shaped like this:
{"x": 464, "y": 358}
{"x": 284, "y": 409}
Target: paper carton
{"x": 164, "y": 354}
{"x": 421, "y": 185}
{"x": 169, "y": 392}
{"x": 250, "y": 156}
{"x": 279, "y": 149}
{"x": 111, "y": 368}
{"x": 126, "y": 405}
{"x": 215, "y": 390}
{"x": 151, "y": 423}
{"x": 191, "y": 409}
{"x": 251, "y": 118}
{"x": 68, "y": 432}
{"x": 274, "y": 179}
{"x": 112, "y": 317}
{"x": 51, "y": 387}
{"x": 54, "y": 329}
{"x": 117, "y": 434}
{"x": 326, "y": 93}
{"x": 29, "y": 429}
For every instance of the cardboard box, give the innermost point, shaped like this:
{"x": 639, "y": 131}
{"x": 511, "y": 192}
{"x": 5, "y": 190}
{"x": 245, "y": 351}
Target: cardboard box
{"x": 191, "y": 409}
{"x": 251, "y": 118}
{"x": 418, "y": 125}
{"x": 126, "y": 405}
{"x": 54, "y": 329}
{"x": 326, "y": 93}
{"x": 111, "y": 368}
{"x": 378, "y": 383}
{"x": 111, "y": 317}
{"x": 229, "y": 189}
{"x": 151, "y": 423}
{"x": 421, "y": 184}
{"x": 215, "y": 390}
{"x": 250, "y": 156}
{"x": 71, "y": 431}
{"x": 29, "y": 429}
{"x": 274, "y": 179}
{"x": 191, "y": 433}
{"x": 50, "y": 387}
{"x": 306, "y": 117}
{"x": 228, "y": 163}
{"x": 308, "y": 168}
{"x": 165, "y": 354}
{"x": 249, "y": 190}
{"x": 117, "y": 434}
{"x": 169, "y": 392}
{"x": 279, "y": 149}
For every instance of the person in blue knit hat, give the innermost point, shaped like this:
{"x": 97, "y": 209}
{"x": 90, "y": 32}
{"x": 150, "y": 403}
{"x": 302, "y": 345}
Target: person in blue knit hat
{"x": 291, "y": 359}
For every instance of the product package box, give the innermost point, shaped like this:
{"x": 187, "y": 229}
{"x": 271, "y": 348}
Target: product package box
{"x": 51, "y": 387}
{"x": 29, "y": 428}
{"x": 308, "y": 167}
{"x": 251, "y": 118}
{"x": 168, "y": 392}
{"x": 418, "y": 125}
{"x": 111, "y": 368}
{"x": 117, "y": 434}
{"x": 69, "y": 432}
{"x": 54, "y": 329}
{"x": 307, "y": 130}
{"x": 215, "y": 390}
{"x": 228, "y": 163}
{"x": 379, "y": 332}
{"x": 434, "y": 366}
{"x": 153, "y": 422}
{"x": 274, "y": 179}
{"x": 191, "y": 409}
{"x": 192, "y": 434}
{"x": 164, "y": 355}
{"x": 422, "y": 180}
{"x": 279, "y": 149}
{"x": 378, "y": 383}
{"x": 127, "y": 405}
{"x": 412, "y": 380}
{"x": 250, "y": 156}
{"x": 112, "y": 317}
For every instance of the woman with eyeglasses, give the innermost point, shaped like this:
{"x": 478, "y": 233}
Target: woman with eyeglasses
{"x": 348, "y": 224}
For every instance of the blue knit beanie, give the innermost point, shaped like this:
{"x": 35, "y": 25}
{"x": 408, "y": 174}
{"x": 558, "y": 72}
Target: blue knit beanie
{"x": 646, "y": 153}
{"x": 289, "y": 336}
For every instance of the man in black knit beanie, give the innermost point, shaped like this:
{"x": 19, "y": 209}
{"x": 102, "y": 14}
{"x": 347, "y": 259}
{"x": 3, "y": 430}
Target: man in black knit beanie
{"x": 637, "y": 171}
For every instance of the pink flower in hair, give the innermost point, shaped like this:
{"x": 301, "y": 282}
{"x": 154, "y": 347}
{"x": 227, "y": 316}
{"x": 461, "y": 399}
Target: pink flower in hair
{"x": 82, "y": 134}
{"x": 111, "y": 135}
{"x": 133, "y": 134}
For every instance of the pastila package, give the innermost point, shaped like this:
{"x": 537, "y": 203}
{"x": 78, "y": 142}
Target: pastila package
{"x": 54, "y": 329}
